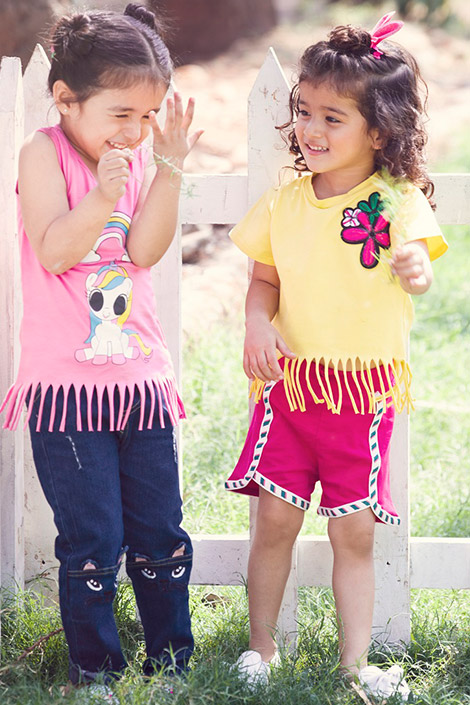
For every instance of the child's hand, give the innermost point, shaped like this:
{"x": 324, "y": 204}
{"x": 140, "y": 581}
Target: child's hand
{"x": 113, "y": 173}
{"x": 412, "y": 265}
{"x": 259, "y": 357}
{"x": 172, "y": 144}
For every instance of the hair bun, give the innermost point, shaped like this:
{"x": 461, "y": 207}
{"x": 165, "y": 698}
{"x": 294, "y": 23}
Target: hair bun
{"x": 140, "y": 13}
{"x": 74, "y": 37}
{"x": 349, "y": 40}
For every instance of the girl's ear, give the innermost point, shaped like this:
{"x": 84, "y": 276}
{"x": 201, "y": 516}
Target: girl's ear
{"x": 64, "y": 98}
{"x": 376, "y": 139}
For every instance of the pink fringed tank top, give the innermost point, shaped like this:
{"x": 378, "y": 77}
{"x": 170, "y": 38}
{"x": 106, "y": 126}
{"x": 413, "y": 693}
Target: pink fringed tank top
{"x": 94, "y": 327}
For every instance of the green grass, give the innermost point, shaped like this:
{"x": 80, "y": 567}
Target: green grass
{"x": 437, "y": 660}
{"x": 440, "y": 428}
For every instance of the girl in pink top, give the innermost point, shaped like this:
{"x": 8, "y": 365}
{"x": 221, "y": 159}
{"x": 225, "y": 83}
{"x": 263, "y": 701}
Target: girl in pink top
{"x": 97, "y": 208}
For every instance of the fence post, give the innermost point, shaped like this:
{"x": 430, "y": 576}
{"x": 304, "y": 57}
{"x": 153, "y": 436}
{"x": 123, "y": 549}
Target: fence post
{"x": 39, "y": 546}
{"x": 11, "y": 453}
{"x": 267, "y": 155}
{"x": 392, "y": 610}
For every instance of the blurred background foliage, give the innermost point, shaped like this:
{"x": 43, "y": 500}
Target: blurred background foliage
{"x": 200, "y": 29}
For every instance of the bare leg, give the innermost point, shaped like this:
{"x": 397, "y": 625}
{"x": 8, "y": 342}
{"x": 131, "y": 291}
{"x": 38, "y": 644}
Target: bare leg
{"x": 352, "y": 538}
{"x": 277, "y": 526}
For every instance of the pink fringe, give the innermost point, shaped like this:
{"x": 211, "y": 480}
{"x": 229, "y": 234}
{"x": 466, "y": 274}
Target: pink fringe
{"x": 160, "y": 407}
{"x": 19, "y": 406}
{"x": 151, "y": 389}
{"x": 77, "y": 406}
{"x": 142, "y": 406}
{"x": 40, "y": 410}
{"x": 89, "y": 395}
{"x": 111, "y": 408}
{"x": 99, "y": 394}
{"x": 161, "y": 391}
{"x": 30, "y": 405}
{"x": 128, "y": 410}
{"x": 52, "y": 414}
{"x": 64, "y": 410}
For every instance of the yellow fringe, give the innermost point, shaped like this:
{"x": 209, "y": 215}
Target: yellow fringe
{"x": 396, "y": 392}
{"x": 288, "y": 386}
{"x": 354, "y": 374}
{"x": 392, "y": 387}
{"x": 351, "y": 396}
{"x": 334, "y": 407}
{"x": 316, "y": 399}
{"x": 369, "y": 389}
{"x": 340, "y": 388}
{"x": 329, "y": 402}
{"x": 382, "y": 386}
{"x": 298, "y": 386}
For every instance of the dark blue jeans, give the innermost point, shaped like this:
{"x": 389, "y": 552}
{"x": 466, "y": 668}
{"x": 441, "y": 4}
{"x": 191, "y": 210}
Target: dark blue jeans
{"x": 114, "y": 492}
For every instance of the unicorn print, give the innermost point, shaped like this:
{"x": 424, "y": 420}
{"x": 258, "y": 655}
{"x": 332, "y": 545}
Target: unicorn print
{"x": 109, "y": 294}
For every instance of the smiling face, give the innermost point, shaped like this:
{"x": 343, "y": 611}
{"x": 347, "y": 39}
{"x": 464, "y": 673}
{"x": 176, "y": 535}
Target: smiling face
{"x": 334, "y": 139}
{"x": 113, "y": 118}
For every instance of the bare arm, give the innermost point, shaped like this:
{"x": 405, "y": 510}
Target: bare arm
{"x": 262, "y": 340}
{"x": 61, "y": 237}
{"x": 155, "y": 220}
{"x": 412, "y": 265}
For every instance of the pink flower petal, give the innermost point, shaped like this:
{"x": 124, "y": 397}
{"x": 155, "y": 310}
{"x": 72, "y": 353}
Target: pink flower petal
{"x": 380, "y": 223}
{"x": 364, "y": 220}
{"x": 368, "y": 257}
{"x": 354, "y": 235}
{"x": 383, "y": 238}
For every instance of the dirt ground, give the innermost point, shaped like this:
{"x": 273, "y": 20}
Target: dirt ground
{"x": 215, "y": 286}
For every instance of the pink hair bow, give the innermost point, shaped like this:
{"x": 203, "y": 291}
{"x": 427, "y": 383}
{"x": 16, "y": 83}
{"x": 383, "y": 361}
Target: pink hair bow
{"x": 383, "y": 29}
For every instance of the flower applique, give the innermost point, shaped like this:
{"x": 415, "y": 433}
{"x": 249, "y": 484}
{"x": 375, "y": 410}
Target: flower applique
{"x": 365, "y": 224}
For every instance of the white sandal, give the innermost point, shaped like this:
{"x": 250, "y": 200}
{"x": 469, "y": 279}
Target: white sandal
{"x": 253, "y": 669}
{"x": 384, "y": 683}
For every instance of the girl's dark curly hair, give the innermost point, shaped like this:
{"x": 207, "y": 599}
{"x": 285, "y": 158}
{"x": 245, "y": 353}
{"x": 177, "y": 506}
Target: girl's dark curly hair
{"x": 96, "y": 50}
{"x": 387, "y": 93}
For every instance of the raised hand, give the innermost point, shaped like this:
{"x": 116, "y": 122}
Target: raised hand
{"x": 172, "y": 143}
{"x": 412, "y": 265}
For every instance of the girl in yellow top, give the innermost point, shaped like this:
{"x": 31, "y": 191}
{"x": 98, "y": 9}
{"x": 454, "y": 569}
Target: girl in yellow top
{"x": 337, "y": 254}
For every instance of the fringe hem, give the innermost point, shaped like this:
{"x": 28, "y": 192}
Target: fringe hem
{"x": 394, "y": 378}
{"x": 162, "y": 391}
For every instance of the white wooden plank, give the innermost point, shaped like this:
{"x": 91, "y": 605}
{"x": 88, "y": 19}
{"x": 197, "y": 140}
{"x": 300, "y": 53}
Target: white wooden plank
{"x": 39, "y": 105}
{"x": 11, "y": 452}
{"x": 437, "y": 563}
{"x": 39, "y": 546}
{"x": 452, "y": 195}
{"x": 213, "y": 198}
{"x": 314, "y": 561}
{"x": 267, "y": 108}
{"x": 441, "y": 563}
{"x": 392, "y": 600}
{"x": 166, "y": 276}
{"x": 266, "y": 156}
{"x": 220, "y": 559}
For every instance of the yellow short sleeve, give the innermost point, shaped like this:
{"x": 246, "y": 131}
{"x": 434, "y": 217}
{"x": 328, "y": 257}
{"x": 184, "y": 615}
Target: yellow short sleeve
{"x": 416, "y": 221}
{"x": 253, "y": 233}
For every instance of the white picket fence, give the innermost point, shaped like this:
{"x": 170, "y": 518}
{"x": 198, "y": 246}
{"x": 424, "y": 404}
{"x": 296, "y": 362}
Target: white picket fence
{"x": 27, "y": 532}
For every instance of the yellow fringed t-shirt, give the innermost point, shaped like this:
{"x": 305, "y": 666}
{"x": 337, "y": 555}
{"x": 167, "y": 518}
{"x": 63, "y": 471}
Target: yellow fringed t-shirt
{"x": 339, "y": 304}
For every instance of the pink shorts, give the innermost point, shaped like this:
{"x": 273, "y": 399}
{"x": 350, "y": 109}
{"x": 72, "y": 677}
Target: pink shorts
{"x": 286, "y": 452}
